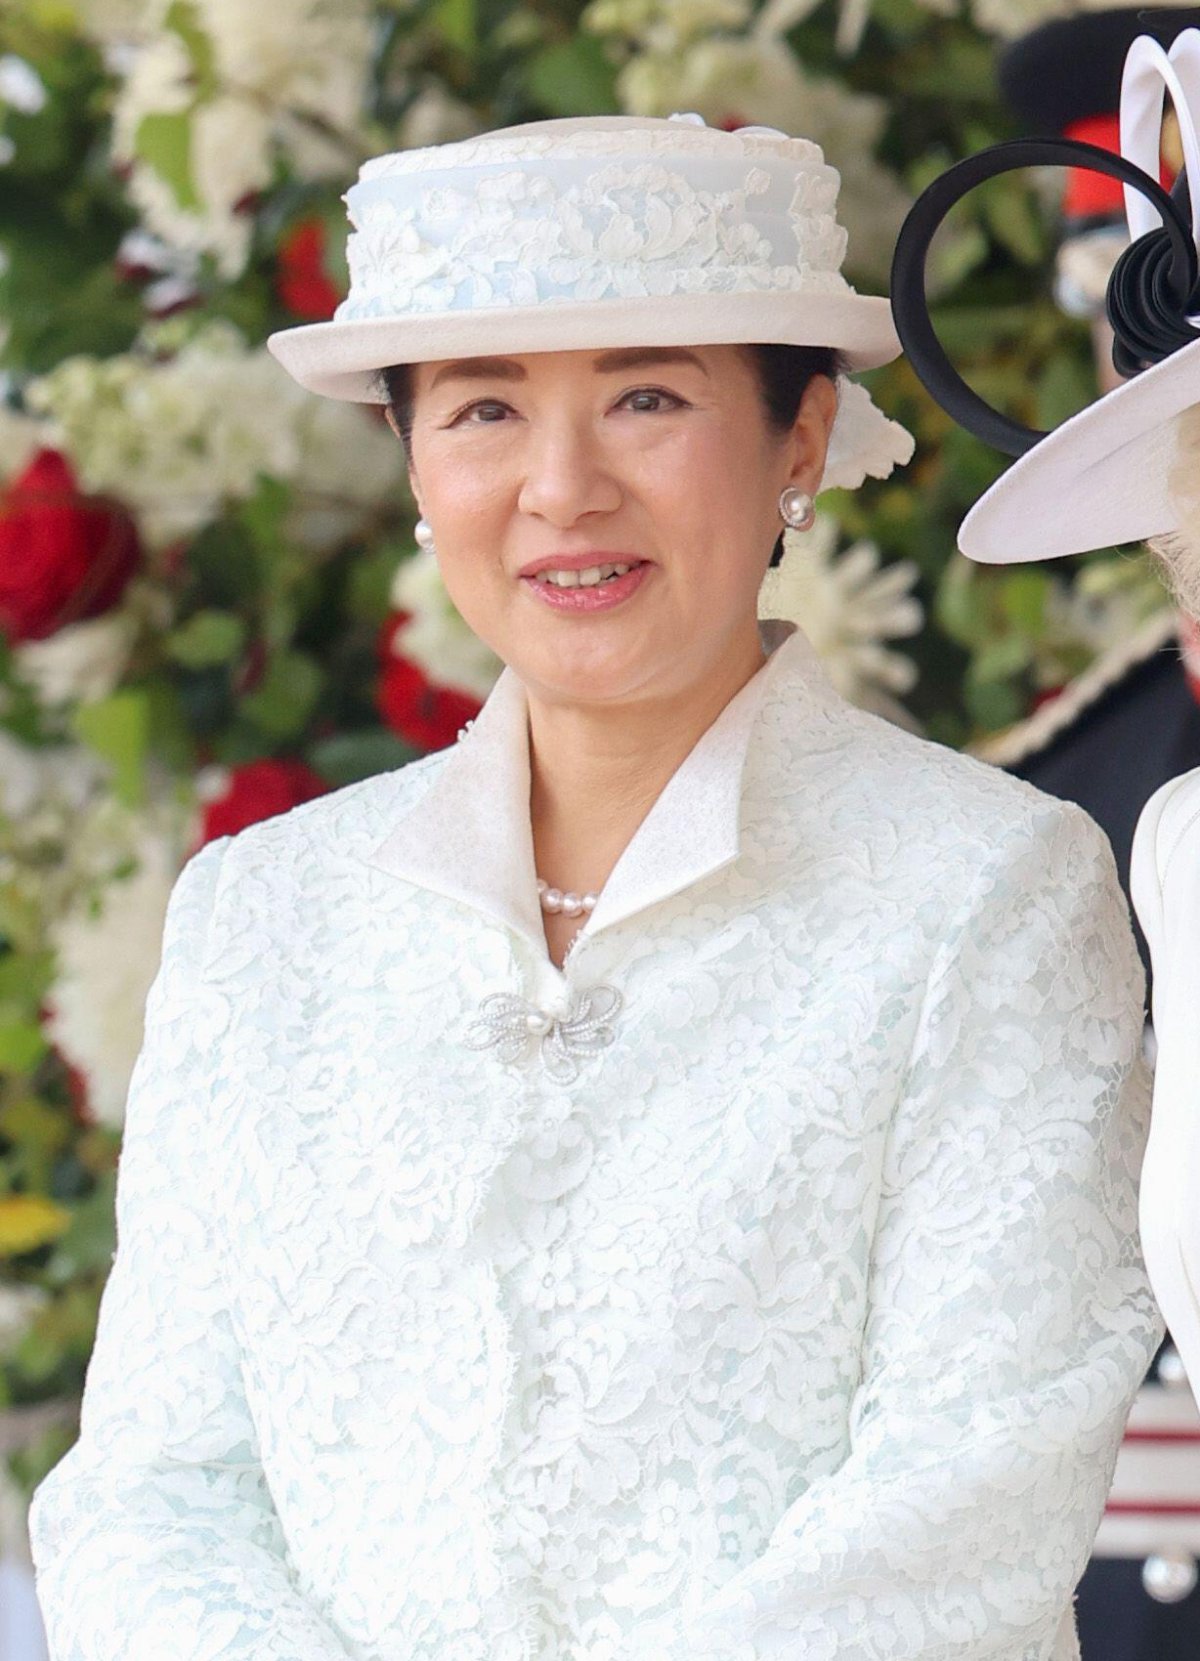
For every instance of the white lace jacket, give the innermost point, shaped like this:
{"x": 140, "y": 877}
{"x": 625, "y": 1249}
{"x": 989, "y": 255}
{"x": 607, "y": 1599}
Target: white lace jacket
{"x": 800, "y": 1320}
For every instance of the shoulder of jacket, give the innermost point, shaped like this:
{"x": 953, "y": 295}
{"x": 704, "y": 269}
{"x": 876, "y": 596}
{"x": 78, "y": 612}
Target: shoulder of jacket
{"x": 346, "y": 819}
{"x": 951, "y": 793}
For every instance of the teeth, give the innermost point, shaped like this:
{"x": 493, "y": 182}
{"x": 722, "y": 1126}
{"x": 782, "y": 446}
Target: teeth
{"x": 587, "y": 578}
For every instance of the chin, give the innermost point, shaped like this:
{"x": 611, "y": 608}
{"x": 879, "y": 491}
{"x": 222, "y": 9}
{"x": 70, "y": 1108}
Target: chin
{"x": 591, "y": 671}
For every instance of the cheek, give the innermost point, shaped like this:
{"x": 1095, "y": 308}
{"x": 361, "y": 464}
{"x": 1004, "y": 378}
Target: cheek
{"x": 710, "y": 491}
{"x": 468, "y": 503}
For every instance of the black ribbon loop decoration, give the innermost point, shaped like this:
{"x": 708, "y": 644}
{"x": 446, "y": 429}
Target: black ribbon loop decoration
{"x": 1150, "y": 292}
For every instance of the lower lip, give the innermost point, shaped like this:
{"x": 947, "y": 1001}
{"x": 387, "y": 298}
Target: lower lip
{"x": 598, "y": 597}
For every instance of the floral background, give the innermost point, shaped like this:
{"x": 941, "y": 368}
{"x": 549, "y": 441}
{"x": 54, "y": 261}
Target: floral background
{"x": 211, "y": 606}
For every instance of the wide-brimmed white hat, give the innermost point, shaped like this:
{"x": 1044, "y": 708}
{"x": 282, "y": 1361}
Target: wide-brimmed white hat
{"x": 1104, "y": 476}
{"x": 596, "y": 232}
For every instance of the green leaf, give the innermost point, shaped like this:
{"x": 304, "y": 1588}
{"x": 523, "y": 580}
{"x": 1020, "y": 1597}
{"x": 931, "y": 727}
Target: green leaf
{"x": 961, "y": 605}
{"x": 1012, "y": 216}
{"x": 457, "y": 22}
{"x": 1023, "y": 596}
{"x": 117, "y": 728}
{"x": 284, "y": 699}
{"x": 170, "y": 739}
{"x": 182, "y": 20}
{"x": 163, "y": 140}
{"x": 359, "y": 755}
{"x": 22, "y": 1046}
{"x": 38, "y": 1133}
{"x": 1001, "y": 659}
{"x": 25, "y": 977}
{"x": 1065, "y": 385}
{"x": 90, "y": 1237}
{"x": 994, "y": 704}
{"x": 369, "y": 588}
{"x": 263, "y": 514}
{"x": 574, "y": 77}
{"x": 207, "y": 638}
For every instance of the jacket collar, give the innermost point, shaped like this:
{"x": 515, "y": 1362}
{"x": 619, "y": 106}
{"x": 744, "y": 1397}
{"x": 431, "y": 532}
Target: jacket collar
{"x": 469, "y": 835}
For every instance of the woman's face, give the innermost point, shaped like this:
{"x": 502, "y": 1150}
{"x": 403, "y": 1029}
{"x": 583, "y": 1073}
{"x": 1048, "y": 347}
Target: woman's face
{"x": 658, "y": 459}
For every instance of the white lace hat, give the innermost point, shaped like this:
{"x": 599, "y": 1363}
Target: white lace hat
{"x": 595, "y": 232}
{"x": 1126, "y": 468}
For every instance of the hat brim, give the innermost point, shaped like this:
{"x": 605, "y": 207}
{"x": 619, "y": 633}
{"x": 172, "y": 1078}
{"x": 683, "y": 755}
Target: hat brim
{"x": 343, "y": 359}
{"x": 1099, "y": 480}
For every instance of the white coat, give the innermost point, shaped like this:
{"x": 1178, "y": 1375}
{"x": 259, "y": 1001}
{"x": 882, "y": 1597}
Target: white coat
{"x": 762, "y": 1284}
{"x": 1165, "y": 884}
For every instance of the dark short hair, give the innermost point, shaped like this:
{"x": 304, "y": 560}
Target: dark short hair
{"x": 783, "y": 374}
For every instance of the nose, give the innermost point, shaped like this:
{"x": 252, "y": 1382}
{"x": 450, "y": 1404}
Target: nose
{"x": 566, "y": 474}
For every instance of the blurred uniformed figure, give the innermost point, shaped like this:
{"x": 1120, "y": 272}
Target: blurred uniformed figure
{"x": 1107, "y": 742}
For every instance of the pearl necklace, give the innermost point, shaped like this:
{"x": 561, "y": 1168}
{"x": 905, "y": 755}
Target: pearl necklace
{"x": 570, "y": 905}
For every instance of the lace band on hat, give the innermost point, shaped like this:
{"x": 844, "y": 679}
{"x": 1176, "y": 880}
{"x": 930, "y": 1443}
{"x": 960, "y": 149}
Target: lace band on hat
{"x": 588, "y": 227}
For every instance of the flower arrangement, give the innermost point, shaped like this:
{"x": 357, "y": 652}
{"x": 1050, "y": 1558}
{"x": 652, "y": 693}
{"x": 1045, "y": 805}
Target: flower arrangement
{"x": 211, "y": 605}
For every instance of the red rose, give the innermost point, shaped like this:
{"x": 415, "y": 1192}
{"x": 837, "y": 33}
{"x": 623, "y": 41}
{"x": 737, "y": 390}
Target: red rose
{"x": 303, "y": 283}
{"x": 424, "y": 714}
{"x": 259, "y": 790}
{"x": 64, "y": 556}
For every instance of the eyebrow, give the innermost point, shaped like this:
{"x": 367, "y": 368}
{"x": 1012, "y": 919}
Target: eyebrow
{"x": 506, "y": 369}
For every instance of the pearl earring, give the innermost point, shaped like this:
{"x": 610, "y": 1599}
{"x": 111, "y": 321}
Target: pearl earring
{"x": 797, "y": 509}
{"x": 423, "y": 533}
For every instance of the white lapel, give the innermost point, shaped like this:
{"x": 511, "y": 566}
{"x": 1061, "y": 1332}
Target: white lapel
{"x": 469, "y": 836}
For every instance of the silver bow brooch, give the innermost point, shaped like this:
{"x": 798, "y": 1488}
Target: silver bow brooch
{"x": 512, "y": 1024}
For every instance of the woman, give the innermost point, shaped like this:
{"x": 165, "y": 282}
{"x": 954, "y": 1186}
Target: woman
{"x": 727, "y": 1256}
{"x": 1125, "y": 469}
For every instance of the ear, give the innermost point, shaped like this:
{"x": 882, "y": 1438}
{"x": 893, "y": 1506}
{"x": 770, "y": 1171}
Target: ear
{"x": 810, "y": 433}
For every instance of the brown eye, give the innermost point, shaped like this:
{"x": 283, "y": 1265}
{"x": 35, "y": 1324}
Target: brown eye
{"x": 485, "y": 411}
{"x": 650, "y": 399}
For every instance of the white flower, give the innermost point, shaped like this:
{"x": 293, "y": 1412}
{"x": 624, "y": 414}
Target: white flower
{"x": 18, "y": 1305}
{"x": 20, "y": 776}
{"x": 287, "y": 77}
{"x": 21, "y": 87}
{"x": 176, "y": 439}
{"x": 80, "y": 663}
{"x": 111, "y": 24}
{"x": 299, "y": 55}
{"x": 435, "y": 117}
{"x": 849, "y": 608}
{"x": 864, "y": 442}
{"x": 20, "y": 436}
{"x": 107, "y": 957}
{"x": 435, "y": 637}
{"x": 665, "y": 25}
{"x": 229, "y": 155}
{"x": 61, "y": 777}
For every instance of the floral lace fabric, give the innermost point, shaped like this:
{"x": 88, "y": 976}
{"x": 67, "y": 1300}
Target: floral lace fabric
{"x": 578, "y": 232}
{"x": 803, "y": 1322}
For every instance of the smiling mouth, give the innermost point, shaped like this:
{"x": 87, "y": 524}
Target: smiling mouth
{"x": 592, "y": 576}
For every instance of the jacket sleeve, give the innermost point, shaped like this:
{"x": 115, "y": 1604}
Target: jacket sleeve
{"x": 155, "y": 1535}
{"x": 1009, "y": 1320}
